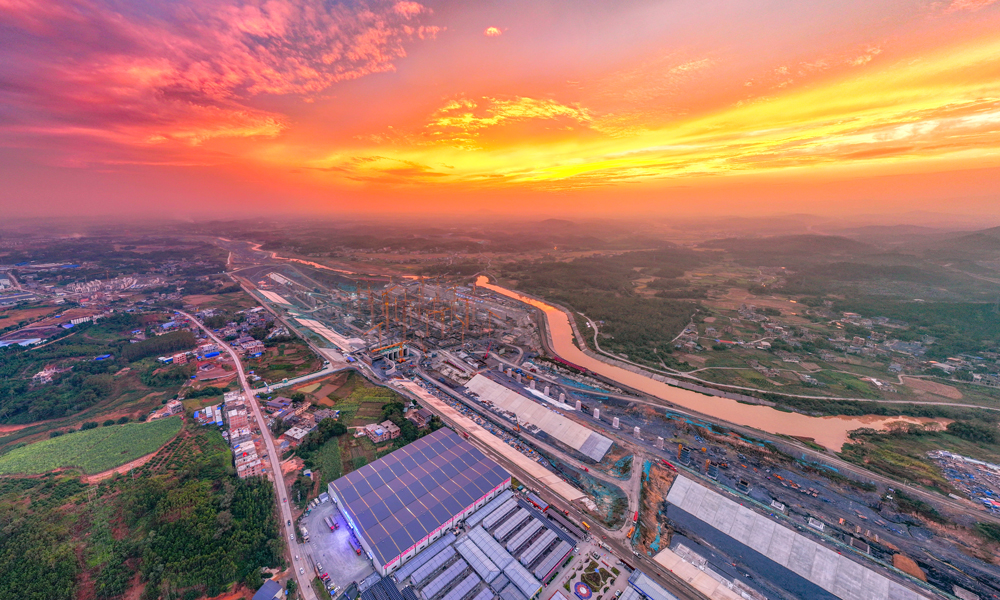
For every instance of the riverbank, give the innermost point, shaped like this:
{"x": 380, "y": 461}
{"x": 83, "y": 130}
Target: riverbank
{"x": 830, "y": 432}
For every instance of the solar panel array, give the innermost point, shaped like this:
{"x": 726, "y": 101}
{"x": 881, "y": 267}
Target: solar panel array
{"x": 511, "y": 524}
{"x": 480, "y": 563}
{"x": 490, "y": 547}
{"x": 521, "y": 537}
{"x": 436, "y": 562}
{"x": 538, "y": 547}
{"x": 425, "y": 555}
{"x": 477, "y": 517}
{"x": 520, "y": 577}
{"x": 463, "y": 588}
{"x": 401, "y": 498}
{"x": 498, "y": 515}
{"x": 442, "y": 580}
{"x": 383, "y": 589}
{"x": 552, "y": 560}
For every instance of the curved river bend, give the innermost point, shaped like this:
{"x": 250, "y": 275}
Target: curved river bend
{"x": 830, "y": 432}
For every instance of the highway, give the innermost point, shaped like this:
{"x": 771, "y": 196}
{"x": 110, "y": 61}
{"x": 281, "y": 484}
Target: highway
{"x": 274, "y": 458}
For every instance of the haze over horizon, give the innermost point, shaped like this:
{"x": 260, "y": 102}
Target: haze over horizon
{"x": 207, "y": 108}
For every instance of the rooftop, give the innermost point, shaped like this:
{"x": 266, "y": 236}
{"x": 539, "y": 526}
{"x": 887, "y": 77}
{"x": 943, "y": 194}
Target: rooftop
{"x": 399, "y": 499}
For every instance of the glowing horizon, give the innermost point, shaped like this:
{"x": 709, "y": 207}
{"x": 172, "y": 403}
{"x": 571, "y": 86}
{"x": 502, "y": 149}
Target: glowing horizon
{"x": 444, "y": 106}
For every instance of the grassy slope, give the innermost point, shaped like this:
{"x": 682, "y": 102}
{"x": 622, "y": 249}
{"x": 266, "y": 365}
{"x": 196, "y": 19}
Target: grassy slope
{"x": 92, "y": 451}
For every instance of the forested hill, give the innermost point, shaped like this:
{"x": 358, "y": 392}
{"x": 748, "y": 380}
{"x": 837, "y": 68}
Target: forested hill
{"x": 183, "y": 527}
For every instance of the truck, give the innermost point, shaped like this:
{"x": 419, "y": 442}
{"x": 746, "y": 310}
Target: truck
{"x": 635, "y": 517}
{"x": 585, "y": 525}
{"x": 355, "y": 545}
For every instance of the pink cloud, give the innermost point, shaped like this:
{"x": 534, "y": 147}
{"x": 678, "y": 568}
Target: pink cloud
{"x": 969, "y": 4}
{"x": 186, "y": 72}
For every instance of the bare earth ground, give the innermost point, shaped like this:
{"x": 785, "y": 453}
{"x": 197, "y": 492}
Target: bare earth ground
{"x": 16, "y": 315}
{"x": 13, "y": 428}
{"x": 932, "y": 387}
{"x": 135, "y": 464}
{"x": 654, "y": 493}
{"x": 199, "y": 299}
{"x": 908, "y": 565}
{"x": 692, "y": 359}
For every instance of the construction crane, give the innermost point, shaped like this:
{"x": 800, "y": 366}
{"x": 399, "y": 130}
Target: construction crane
{"x": 371, "y": 303}
{"x": 379, "y": 327}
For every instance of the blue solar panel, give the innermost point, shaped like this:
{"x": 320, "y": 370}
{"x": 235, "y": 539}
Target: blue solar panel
{"x": 363, "y": 487}
{"x": 406, "y": 496}
{"x": 449, "y": 470}
{"x": 452, "y": 505}
{"x": 402, "y": 497}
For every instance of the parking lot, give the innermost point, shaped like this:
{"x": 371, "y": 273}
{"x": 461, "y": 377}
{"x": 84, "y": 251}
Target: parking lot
{"x": 332, "y": 549}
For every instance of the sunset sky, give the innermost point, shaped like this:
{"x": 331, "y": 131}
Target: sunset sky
{"x": 503, "y": 106}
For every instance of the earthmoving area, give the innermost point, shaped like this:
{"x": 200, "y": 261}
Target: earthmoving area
{"x": 887, "y": 524}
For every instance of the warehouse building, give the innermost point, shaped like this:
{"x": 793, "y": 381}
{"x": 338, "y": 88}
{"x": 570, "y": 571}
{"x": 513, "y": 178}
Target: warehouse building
{"x": 403, "y": 502}
{"x": 507, "y": 560}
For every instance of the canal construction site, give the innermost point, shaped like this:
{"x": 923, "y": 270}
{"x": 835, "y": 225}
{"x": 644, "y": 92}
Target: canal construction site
{"x": 880, "y": 527}
{"x": 876, "y": 524}
{"x": 620, "y": 458}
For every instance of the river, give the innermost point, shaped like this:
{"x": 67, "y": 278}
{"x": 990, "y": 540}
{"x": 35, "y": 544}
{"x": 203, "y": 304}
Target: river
{"x": 830, "y": 432}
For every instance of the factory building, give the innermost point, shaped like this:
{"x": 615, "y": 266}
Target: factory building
{"x": 403, "y": 502}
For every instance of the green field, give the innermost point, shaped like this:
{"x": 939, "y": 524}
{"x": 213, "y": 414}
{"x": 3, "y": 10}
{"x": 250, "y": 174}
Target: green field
{"x": 93, "y": 451}
{"x": 327, "y": 461}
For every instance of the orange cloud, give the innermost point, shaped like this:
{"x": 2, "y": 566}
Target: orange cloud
{"x": 909, "y": 116}
{"x": 492, "y": 32}
{"x": 969, "y": 4}
{"x": 462, "y": 121}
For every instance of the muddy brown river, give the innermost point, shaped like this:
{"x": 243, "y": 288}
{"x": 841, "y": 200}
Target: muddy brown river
{"x": 830, "y": 432}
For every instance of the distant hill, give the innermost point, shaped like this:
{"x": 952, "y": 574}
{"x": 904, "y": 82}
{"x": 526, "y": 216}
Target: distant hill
{"x": 792, "y": 251}
{"x": 894, "y": 235}
{"x": 557, "y": 224}
{"x": 978, "y": 245}
{"x": 793, "y": 244}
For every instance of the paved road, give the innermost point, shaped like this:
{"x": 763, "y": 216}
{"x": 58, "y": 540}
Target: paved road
{"x": 303, "y": 580}
{"x": 630, "y": 486}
